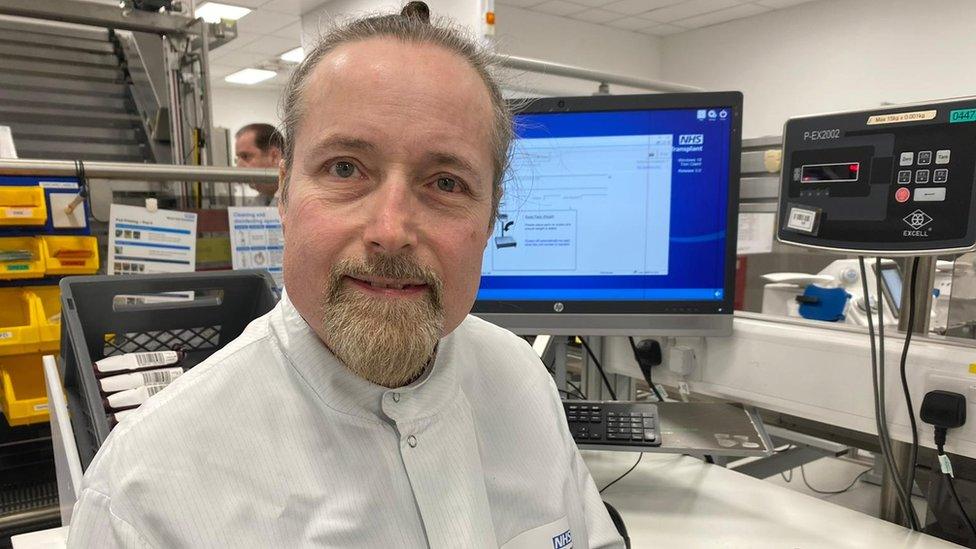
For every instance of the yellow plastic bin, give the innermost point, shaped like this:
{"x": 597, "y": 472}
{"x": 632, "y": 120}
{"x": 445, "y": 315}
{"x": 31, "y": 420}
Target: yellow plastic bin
{"x": 24, "y": 398}
{"x": 48, "y": 303}
{"x": 22, "y": 206}
{"x": 18, "y": 322}
{"x": 21, "y": 257}
{"x": 70, "y": 255}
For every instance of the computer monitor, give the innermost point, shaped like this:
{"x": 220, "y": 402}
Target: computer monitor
{"x": 891, "y": 282}
{"x": 619, "y": 217}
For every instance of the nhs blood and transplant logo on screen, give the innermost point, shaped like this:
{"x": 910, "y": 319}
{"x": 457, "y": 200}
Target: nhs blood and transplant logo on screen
{"x": 691, "y": 139}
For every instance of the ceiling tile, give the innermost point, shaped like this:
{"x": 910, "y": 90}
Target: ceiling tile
{"x": 218, "y": 72}
{"x": 521, "y": 3}
{"x": 242, "y": 40}
{"x": 264, "y": 21}
{"x": 634, "y": 7}
{"x": 596, "y": 15}
{"x": 632, "y": 23}
{"x": 779, "y": 4}
{"x": 721, "y": 16}
{"x": 688, "y": 9}
{"x": 291, "y": 31}
{"x": 593, "y": 3}
{"x": 294, "y": 7}
{"x": 559, "y": 7}
{"x": 272, "y": 46}
{"x": 253, "y": 4}
{"x": 241, "y": 60}
{"x": 663, "y": 30}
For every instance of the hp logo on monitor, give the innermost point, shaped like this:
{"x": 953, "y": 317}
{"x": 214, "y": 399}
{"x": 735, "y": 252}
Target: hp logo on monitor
{"x": 558, "y": 307}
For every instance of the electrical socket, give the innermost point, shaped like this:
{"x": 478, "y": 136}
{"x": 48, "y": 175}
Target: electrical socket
{"x": 965, "y": 385}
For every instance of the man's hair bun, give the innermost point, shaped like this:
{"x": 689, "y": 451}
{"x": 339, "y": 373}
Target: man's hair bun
{"x": 416, "y": 10}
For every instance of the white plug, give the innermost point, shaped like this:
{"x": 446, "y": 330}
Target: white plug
{"x": 681, "y": 360}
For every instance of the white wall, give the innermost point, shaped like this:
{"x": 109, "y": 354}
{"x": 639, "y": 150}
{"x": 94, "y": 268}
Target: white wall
{"x": 830, "y": 55}
{"x": 234, "y": 108}
{"x": 559, "y": 39}
{"x": 526, "y": 34}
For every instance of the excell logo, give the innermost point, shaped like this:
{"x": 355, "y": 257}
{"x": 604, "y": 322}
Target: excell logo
{"x": 691, "y": 139}
{"x": 917, "y": 220}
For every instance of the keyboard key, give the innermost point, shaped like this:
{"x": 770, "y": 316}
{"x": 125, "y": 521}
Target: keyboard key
{"x": 595, "y": 436}
{"x": 635, "y": 414}
{"x": 594, "y": 408}
{"x": 650, "y": 435}
{"x": 573, "y": 407}
{"x": 595, "y": 419}
{"x": 636, "y": 436}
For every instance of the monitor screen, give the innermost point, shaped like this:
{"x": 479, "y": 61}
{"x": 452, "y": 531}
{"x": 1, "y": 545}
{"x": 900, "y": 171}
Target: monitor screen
{"x": 891, "y": 279}
{"x": 616, "y": 205}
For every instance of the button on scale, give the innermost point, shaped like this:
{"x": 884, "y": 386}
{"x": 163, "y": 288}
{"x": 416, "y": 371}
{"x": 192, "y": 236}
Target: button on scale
{"x": 902, "y": 195}
{"x": 904, "y": 176}
{"x": 924, "y": 158}
{"x": 930, "y": 194}
{"x": 906, "y": 159}
{"x": 942, "y": 156}
{"x": 940, "y": 176}
{"x": 922, "y": 176}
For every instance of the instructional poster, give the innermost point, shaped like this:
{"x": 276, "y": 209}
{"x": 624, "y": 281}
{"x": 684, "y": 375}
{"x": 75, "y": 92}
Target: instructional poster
{"x": 756, "y": 231}
{"x": 143, "y": 241}
{"x": 256, "y": 240}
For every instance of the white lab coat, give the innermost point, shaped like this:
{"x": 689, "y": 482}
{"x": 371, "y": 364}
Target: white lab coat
{"x": 272, "y": 442}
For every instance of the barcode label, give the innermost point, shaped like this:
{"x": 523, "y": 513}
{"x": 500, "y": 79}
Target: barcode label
{"x": 802, "y": 220}
{"x": 150, "y": 359}
{"x": 40, "y": 407}
{"x": 153, "y": 389}
{"x": 6, "y": 335}
{"x": 160, "y": 376}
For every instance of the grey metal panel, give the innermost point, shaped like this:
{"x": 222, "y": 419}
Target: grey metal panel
{"x": 100, "y": 15}
{"x": 768, "y": 142}
{"x": 58, "y": 55}
{"x": 15, "y": 113}
{"x": 56, "y": 83}
{"x": 71, "y": 149}
{"x": 44, "y": 27}
{"x": 63, "y": 100}
{"x": 61, "y": 69}
{"x": 752, "y": 188}
{"x": 94, "y": 157}
{"x": 68, "y": 133}
{"x": 754, "y": 162}
{"x": 19, "y": 36}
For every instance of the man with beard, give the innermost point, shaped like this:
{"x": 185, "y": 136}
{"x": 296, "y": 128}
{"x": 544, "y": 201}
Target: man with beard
{"x": 367, "y": 409}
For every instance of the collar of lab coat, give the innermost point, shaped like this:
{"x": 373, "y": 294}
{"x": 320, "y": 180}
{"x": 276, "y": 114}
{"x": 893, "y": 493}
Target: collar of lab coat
{"x": 342, "y": 390}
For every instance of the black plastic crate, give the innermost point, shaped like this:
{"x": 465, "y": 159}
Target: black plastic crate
{"x": 100, "y": 318}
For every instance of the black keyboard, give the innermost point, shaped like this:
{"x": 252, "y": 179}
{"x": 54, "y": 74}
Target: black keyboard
{"x": 613, "y": 422}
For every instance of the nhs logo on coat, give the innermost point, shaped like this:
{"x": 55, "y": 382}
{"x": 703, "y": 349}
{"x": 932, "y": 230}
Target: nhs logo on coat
{"x": 691, "y": 139}
{"x": 563, "y": 541}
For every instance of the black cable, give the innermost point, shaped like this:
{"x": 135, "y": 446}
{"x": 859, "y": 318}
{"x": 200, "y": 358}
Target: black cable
{"x": 599, "y": 367}
{"x": 782, "y": 474}
{"x": 803, "y": 474}
{"x": 634, "y": 466}
{"x": 878, "y": 411}
{"x": 909, "y": 509}
{"x": 955, "y": 496}
{"x": 904, "y": 378}
{"x": 646, "y": 371}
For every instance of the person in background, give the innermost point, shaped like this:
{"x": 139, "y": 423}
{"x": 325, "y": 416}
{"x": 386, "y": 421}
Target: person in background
{"x": 259, "y": 146}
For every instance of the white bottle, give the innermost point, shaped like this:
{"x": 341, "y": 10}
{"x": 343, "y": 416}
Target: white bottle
{"x": 138, "y": 361}
{"x": 123, "y": 382}
{"x": 132, "y": 397}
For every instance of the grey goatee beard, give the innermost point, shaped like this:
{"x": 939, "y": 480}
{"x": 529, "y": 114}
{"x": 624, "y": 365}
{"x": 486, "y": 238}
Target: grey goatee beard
{"x": 387, "y": 341}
